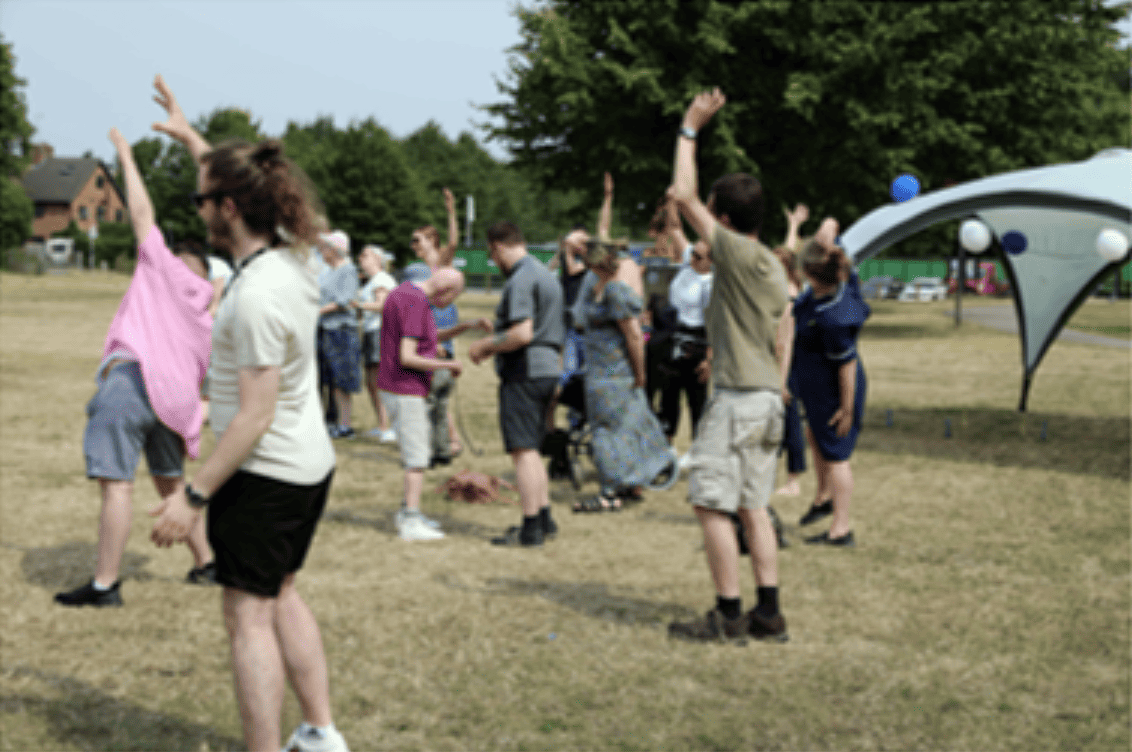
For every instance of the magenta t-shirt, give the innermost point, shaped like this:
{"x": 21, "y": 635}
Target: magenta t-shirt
{"x": 163, "y": 320}
{"x": 405, "y": 314}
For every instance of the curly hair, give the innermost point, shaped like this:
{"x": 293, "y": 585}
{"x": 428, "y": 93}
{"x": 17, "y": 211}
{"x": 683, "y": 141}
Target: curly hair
{"x": 273, "y": 195}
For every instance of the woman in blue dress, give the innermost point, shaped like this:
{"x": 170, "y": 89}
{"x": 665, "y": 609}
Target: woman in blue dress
{"x": 828, "y": 375}
{"x": 629, "y": 448}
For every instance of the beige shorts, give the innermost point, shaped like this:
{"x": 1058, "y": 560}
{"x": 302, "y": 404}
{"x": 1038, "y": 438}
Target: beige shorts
{"x": 734, "y": 457}
{"x": 408, "y": 416}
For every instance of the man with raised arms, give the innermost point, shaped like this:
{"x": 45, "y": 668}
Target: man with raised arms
{"x": 734, "y": 455}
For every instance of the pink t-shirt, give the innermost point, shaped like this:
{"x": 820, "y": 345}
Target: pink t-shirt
{"x": 406, "y": 314}
{"x": 163, "y": 320}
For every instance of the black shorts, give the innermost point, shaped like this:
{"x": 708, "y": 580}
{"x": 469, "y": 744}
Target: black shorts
{"x": 260, "y": 529}
{"x": 522, "y": 411}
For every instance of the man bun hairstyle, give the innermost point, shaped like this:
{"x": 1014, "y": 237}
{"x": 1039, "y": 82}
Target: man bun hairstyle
{"x": 740, "y": 197}
{"x": 505, "y": 233}
{"x": 830, "y": 266}
{"x": 272, "y": 194}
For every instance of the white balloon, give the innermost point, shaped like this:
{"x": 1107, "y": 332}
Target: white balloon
{"x": 974, "y": 235}
{"x": 1112, "y": 245}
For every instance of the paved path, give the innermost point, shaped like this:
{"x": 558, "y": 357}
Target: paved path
{"x": 1004, "y": 318}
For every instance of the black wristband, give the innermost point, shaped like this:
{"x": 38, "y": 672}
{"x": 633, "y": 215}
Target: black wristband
{"x": 196, "y": 500}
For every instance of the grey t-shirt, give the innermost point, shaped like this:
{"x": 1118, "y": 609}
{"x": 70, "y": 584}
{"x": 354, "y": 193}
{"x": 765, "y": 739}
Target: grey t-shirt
{"x": 338, "y": 286}
{"x": 532, "y": 292}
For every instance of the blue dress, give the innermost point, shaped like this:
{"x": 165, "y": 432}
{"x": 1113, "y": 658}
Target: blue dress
{"x": 629, "y": 448}
{"x": 825, "y": 337}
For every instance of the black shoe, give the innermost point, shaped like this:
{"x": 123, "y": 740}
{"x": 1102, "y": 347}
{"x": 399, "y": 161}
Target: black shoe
{"x": 342, "y": 432}
{"x": 205, "y": 575}
{"x": 845, "y": 541}
{"x": 513, "y": 537}
{"x": 764, "y": 628}
{"x": 86, "y": 595}
{"x": 816, "y": 512}
{"x": 550, "y": 529}
{"x": 438, "y": 460}
{"x": 713, "y": 627}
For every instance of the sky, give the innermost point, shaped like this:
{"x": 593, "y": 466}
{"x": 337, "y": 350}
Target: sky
{"x": 89, "y": 64}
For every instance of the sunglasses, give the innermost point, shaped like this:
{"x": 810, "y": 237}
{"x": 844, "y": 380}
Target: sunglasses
{"x": 198, "y": 199}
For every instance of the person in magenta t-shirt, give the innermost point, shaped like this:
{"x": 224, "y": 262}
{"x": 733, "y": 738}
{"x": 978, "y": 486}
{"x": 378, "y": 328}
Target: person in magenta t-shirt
{"x": 408, "y": 359}
{"x": 153, "y": 361}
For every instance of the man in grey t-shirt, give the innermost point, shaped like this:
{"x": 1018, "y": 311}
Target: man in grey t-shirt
{"x": 527, "y": 345}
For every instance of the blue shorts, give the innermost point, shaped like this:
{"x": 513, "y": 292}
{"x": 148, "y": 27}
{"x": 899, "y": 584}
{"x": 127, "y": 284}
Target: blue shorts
{"x": 121, "y": 423}
{"x": 338, "y": 353}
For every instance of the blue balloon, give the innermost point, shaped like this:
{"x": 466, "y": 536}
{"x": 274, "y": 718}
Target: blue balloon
{"x": 1014, "y": 242}
{"x": 905, "y": 187}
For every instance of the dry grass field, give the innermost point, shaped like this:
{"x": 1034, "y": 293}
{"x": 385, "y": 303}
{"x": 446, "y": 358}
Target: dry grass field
{"x": 985, "y": 608}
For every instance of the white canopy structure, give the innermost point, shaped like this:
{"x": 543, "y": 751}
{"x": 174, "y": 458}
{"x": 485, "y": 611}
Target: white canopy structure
{"x": 1058, "y": 210}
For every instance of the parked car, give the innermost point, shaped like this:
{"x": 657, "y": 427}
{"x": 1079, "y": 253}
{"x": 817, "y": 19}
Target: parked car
{"x": 878, "y": 287}
{"x": 924, "y": 289}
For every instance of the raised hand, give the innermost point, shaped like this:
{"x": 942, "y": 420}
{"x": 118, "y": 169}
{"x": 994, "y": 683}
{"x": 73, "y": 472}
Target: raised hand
{"x": 798, "y": 216}
{"x": 449, "y": 200}
{"x": 703, "y": 107}
{"x": 176, "y": 125}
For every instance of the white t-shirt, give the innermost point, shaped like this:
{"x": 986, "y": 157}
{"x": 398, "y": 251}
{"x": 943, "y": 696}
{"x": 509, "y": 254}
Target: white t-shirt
{"x": 268, "y": 318}
{"x": 371, "y": 320}
{"x": 689, "y": 293}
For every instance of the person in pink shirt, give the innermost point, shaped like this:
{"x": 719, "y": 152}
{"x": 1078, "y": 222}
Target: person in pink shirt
{"x": 408, "y": 359}
{"x": 155, "y": 356}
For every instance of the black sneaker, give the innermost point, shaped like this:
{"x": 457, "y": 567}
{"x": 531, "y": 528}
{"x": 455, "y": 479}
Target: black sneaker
{"x": 816, "y": 512}
{"x": 86, "y": 595}
{"x": 764, "y": 628}
{"x": 845, "y": 541}
{"x": 438, "y": 461}
{"x": 513, "y": 537}
{"x": 713, "y": 627}
{"x": 205, "y": 575}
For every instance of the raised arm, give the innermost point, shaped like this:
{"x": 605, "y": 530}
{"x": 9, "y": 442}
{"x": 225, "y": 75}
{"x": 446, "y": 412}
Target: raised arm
{"x": 605, "y": 216}
{"x": 448, "y": 252}
{"x": 137, "y": 198}
{"x": 794, "y": 220}
{"x": 684, "y": 186}
{"x": 674, "y": 228}
{"x": 177, "y": 125}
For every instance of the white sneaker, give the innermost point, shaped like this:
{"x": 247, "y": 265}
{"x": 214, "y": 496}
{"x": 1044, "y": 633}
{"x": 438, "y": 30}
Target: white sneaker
{"x": 309, "y": 739}
{"x": 412, "y": 527}
{"x": 389, "y": 436}
{"x": 402, "y": 512}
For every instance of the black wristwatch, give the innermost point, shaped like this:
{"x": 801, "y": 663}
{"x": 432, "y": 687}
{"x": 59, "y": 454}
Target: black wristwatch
{"x": 687, "y": 133}
{"x": 196, "y": 500}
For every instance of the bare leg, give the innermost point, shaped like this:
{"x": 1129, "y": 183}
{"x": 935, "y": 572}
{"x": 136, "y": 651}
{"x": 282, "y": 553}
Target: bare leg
{"x": 303, "y": 657}
{"x": 722, "y": 547}
{"x": 198, "y": 538}
{"x": 530, "y": 477}
{"x": 791, "y": 487}
{"x": 375, "y": 398}
{"x": 257, "y": 665}
{"x": 342, "y": 400}
{"x": 821, "y": 470}
{"x": 414, "y": 485}
{"x": 763, "y": 544}
{"x": 113, "y": 528}
{"x": 455, "y": 446}
{"x": 841, "y": 482}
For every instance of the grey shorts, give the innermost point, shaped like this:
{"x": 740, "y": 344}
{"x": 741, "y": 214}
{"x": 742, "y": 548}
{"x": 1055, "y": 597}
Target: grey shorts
{"x": 121, "y": 423}
{"x": 408, "y": 417}
{"x": 734, "y": 457}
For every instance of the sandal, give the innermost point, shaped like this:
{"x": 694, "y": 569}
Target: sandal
{"x": 595, "y": 504}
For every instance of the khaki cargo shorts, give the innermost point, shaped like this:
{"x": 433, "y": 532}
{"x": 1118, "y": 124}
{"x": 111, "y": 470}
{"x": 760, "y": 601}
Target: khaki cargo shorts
{"x": 734, "y": 457}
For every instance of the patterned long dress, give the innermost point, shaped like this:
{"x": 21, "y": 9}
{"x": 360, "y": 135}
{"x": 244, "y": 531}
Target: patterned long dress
{"x": 628, "y": 444}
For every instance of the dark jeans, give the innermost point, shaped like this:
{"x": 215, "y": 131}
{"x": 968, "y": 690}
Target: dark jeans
{"x": 680, "y": 378}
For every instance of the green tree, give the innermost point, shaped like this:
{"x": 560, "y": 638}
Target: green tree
{"x": 16, "y": 214}
{"x": 828, "y": 101}
{"x": 15, "y": 130}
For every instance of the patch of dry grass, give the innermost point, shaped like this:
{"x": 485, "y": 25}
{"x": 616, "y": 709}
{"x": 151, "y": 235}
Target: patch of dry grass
{"x": 986, "y": 607}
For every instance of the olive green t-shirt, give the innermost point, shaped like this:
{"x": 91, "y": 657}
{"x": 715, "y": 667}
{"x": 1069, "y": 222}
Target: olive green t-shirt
{"x": 748, "y": 297}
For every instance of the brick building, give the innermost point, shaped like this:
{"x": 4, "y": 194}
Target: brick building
{"x": 65, "y": 189}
